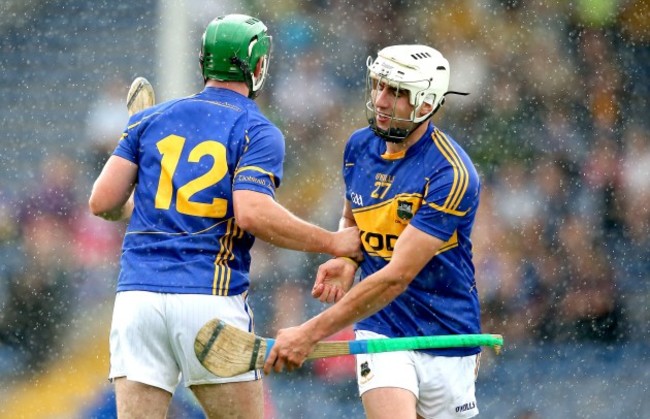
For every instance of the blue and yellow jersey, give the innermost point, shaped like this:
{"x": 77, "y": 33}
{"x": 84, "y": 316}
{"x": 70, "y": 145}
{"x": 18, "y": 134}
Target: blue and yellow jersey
{"x": 192, "y": 153}
{"x": 434, "y": 187}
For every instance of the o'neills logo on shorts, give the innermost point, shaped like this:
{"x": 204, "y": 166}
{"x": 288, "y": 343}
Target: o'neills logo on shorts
{"x": 465, "y": 407}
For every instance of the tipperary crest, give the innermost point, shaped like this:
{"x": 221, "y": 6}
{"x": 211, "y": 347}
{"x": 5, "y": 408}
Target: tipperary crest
{"x": 404, "y": 210}
{"x": 365, "y": 374}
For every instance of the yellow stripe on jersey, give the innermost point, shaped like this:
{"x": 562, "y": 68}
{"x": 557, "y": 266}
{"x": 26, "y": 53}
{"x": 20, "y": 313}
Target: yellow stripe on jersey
{"x": 461, "y": 176}
{"x": 248, "y": 140}
{"x": 256, "y": 169}
{"x": 449, "y": 244}
{"x": 438, "y": 207}
{"x": 181, "y": 233}
{"x": 140, "y": 121}
{"x": 134, "y": 125}
{"x": 222, "y": 271}
{"x": 446, "y": 210}
{"x": 379, "y": 205}
{"x": 230, "y": 256}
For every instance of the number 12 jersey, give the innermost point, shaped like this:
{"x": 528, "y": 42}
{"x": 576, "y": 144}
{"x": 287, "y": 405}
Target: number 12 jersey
{"x": 192, "y": 153}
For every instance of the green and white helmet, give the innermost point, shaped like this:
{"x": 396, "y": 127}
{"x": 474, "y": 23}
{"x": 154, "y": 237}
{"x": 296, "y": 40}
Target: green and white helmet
{"x": 231, "y": 47}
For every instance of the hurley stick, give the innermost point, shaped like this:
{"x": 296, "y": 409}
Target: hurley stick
{"x": 140, "y": 96}
{"x": 227, "y": 351}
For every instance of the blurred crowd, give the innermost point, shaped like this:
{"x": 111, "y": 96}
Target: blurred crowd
{"x": 556, "y": 122}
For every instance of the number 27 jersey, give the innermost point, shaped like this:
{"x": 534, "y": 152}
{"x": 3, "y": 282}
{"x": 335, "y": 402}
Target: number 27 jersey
{"x": 434, "y": 187}
{"x": 192, "y": 153}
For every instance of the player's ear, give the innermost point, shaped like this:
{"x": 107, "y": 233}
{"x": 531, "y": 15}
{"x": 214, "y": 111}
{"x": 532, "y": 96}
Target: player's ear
{"x": 258, "y": 68}
{"x": 425, "y": 108}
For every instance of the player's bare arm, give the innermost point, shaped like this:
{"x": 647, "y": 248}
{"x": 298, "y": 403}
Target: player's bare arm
{"x": 260, "y": 215}
{"x": 347, "y": 218}
{"x": 111, "y": 197}
{"x": 413, "y": 250}
{"x": 336, "y": 276}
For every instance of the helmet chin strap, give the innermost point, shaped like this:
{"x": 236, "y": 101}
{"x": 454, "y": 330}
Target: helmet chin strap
{"x": 248, "y": 75}
{"x": 398, "y": 135}
{"x": 392, "y": 135}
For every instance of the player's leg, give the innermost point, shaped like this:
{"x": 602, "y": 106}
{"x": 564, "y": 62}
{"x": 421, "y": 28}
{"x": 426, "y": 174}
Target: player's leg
{"x": 447, "y": 386}
{"x": 389, "y": 403}
{"x": 137, "y": 400}
{"x": 231, "y": 400}
{"x": 388, "y": 383}
{"x": 239, "y": 396}
{"x": 143, "y": 365}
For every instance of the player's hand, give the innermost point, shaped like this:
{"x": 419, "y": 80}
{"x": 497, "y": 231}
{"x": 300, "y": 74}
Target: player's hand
{"x": 334, "y": 278}
{"x": 347, "y": 242}
{"x": 290, "y": 350}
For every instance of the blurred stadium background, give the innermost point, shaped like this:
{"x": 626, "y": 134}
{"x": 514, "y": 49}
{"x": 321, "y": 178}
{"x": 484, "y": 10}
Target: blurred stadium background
{"x": 557, "y": 123}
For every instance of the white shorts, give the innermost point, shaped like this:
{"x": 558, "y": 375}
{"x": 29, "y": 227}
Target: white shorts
{"x": 152, "y": 336}
{"x": 443, "y": 386}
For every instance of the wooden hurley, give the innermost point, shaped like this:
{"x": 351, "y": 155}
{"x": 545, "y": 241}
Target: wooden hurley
{"x": 227, "y": 351}
{"x": 141, "y": 96}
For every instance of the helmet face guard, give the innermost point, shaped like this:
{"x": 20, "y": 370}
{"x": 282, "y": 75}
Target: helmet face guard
{"x": 231, "y": 48}
{"x": 393, "y": 133}
{"x": 263, "y": 51}
{"x": 419, "y": 70}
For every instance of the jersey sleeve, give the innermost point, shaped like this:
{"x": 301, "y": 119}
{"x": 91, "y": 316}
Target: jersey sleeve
{"x": 127, "y": 147}
{"x": 450, "y": 194}
{"x": 260, "y": 167}
{"x": 349, "y": 159}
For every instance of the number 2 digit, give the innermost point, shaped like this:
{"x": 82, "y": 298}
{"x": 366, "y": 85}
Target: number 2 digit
{"x": 379, "y": 185}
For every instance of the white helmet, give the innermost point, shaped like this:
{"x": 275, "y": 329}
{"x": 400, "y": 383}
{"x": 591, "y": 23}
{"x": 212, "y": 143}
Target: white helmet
{"x": 420, "y": 69}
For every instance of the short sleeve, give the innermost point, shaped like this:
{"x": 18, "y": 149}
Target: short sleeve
{"x": 449, "y": 196}
{"x": 261, "y": 165}
{"x": 127, "y": 147}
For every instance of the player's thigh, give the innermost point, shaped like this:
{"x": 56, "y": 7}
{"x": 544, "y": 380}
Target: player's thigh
{"x": 139, "y": 341}
{"x": 137, "y": 400}
{"x": 388, "y": 382}
{"x": 447, "y": 386}
{"x": 231, "y": 400}
{"x": 389, "y": 403}
{"x": 187, "y": 314}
